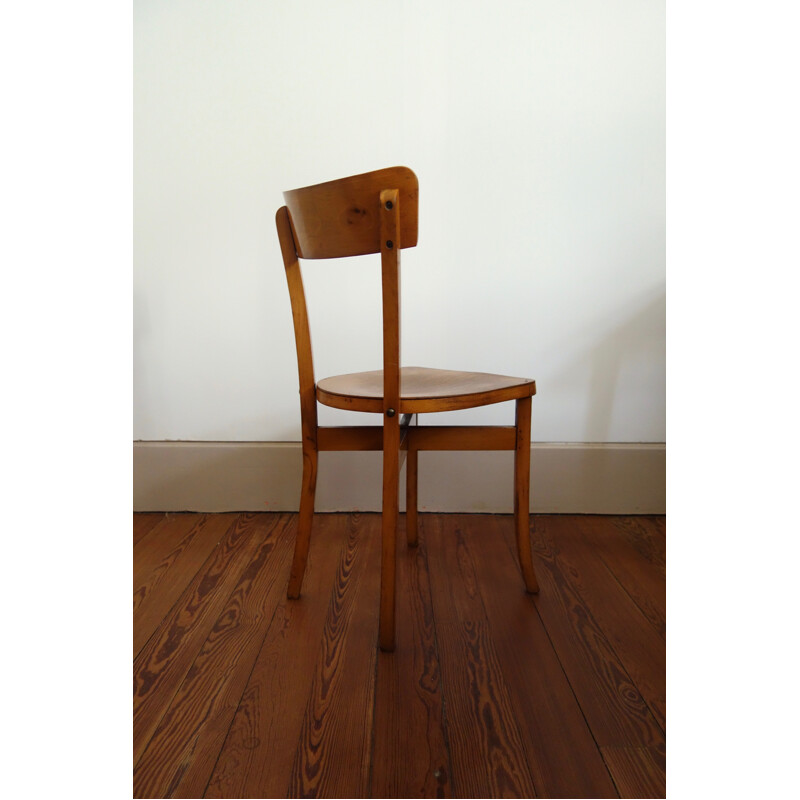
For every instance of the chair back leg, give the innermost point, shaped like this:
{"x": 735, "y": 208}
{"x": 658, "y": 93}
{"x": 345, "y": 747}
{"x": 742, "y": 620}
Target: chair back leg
{"x": 391, "y": 474}
{"x": 522, "y": 488}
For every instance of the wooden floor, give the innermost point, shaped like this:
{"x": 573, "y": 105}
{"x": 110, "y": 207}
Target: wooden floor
{"x": 490, "y": 693}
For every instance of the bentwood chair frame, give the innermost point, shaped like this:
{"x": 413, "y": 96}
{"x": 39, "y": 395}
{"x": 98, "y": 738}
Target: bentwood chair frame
{"x": 377, "y": 213}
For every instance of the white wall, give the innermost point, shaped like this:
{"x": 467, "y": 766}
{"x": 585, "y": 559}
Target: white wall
{"x": 537, "y": 132}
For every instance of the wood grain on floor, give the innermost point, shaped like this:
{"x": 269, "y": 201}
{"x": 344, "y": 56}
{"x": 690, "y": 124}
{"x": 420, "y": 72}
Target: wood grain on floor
{"x": 491, "y": 692}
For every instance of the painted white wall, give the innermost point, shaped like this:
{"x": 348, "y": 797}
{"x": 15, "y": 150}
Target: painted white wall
{"x": 537, "y": 132}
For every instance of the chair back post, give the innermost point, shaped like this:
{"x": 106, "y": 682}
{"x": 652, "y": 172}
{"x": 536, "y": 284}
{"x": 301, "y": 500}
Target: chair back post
{"x": 389, "y": 229}
{"x": 390, "y": 285}
{"x": 302, "y": 332}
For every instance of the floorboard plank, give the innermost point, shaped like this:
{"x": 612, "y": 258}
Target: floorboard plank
{"x": 162, "y": 665}
{"x": 181, "y": 754}
{"x": 410, "y": 757}
{"x": 639, "y": 577}
{"x": 648, "y": 537}
{"x": 257, "y": 756}
{"x": 563, "y": 756}
{"x": 144, "y": 522}
{"x": 333, "y": 753}
{"x": 636, "y": 771}
{"x": 576, "y": 545}
{"x": 486, "y": 751}
{"x": 158, "y": 591}
{"x": 161, "y": 540}
{"x": 454, "y": 587}
{"x": 612, "y": 705}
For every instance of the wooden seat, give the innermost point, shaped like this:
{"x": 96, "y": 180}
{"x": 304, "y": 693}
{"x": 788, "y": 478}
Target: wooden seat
{"x": 422, "y": 389}
{"x": 367, "y": 214}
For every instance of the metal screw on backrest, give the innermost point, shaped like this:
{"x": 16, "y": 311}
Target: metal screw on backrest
{"x": 389, "y": 204}
{"x": 389, "y": 243}
{"x": 390, "y": 412}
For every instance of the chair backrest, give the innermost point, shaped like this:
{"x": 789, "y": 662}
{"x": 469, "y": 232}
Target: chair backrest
{"x": 340, "y": 218}
{"x": 371, "y": 213}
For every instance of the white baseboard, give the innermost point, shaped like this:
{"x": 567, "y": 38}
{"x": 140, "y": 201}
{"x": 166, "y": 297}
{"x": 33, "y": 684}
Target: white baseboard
{"x": 265, "y": 476}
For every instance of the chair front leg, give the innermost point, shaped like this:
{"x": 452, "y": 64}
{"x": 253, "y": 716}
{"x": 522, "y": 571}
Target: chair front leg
{"x": 391, "y": 475}
{"x": 522, "y": 477}
{"x": 304, "y": 520}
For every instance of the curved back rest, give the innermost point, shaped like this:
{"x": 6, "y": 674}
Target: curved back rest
{"x": 340, "y": 218}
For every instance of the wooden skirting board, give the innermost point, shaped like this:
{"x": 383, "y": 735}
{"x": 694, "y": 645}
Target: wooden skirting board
{"x": 570, "y": 478}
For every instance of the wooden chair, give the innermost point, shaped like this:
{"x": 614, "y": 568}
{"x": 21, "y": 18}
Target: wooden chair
{"x": 377, "y": 213}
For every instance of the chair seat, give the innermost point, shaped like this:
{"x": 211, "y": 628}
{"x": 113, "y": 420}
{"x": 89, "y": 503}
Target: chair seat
{"x": 423, "y": 390}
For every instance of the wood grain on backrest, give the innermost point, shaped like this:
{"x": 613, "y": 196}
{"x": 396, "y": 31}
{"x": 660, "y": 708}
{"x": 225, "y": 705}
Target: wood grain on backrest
{"x": 341, "y": 218}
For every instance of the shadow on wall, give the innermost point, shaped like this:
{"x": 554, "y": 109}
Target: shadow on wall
{"x": 635, "y": 345}
{"x": 606, "y": 377}
{"x": 619, "y": 369}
